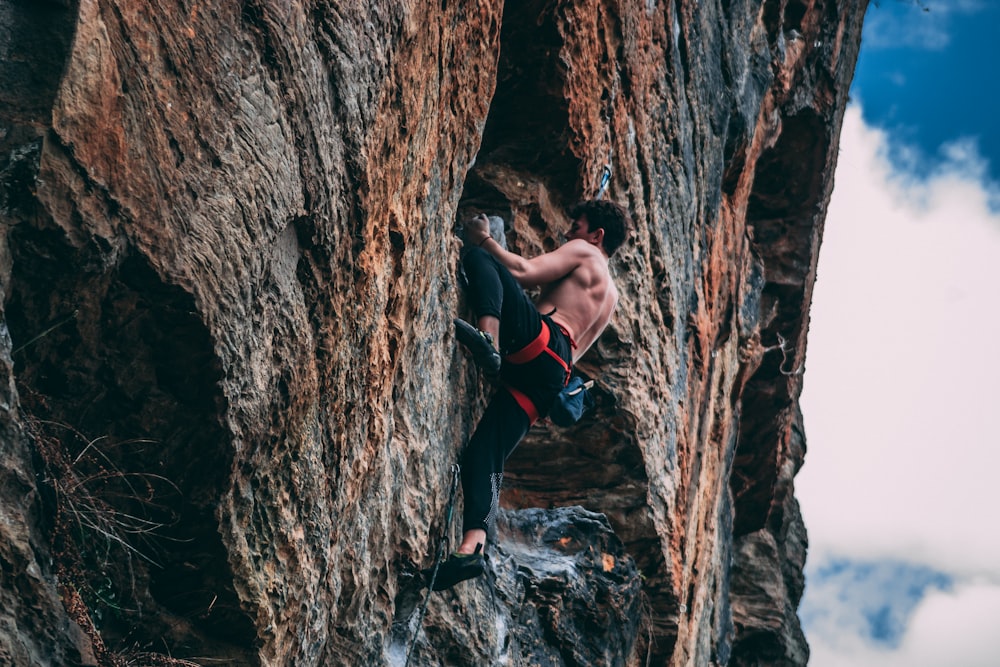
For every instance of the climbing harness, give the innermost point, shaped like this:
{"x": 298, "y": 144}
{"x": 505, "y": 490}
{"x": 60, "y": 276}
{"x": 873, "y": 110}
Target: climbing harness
{"x": 540, "y": 345}
{"x": 438, "y": 553}
{"x": 605, "y": 181}
{"x": 531, "y": 351}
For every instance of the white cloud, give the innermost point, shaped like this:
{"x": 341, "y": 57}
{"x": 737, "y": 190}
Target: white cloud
{"x": 959, "y": 169}
{"x": 906, "y": 24}
{"x": 885, "y": 30}
{"x": 901, "y": 390}
{"x": 947, "y": 628}
{"x": 871, "y": 600}
{"x": 901, "y": 383}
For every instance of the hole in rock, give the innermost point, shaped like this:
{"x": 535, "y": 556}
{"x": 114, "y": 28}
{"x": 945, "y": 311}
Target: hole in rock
{"x": 118, "y": 369}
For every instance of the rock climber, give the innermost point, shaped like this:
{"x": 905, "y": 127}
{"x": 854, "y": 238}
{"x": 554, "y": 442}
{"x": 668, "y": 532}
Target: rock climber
{"x": 527, "y": 348}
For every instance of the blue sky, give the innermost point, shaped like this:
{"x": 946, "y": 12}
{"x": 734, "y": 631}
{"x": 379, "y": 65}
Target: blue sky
{"x": 929, "y": 76}
{"x": 902, "y": 377}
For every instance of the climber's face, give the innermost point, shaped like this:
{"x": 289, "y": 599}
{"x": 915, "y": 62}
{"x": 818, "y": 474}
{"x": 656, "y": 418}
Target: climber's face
{"x": 580, "y": 229}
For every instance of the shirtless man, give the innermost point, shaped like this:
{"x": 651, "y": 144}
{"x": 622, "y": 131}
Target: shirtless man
{"x": 540, "y": 343}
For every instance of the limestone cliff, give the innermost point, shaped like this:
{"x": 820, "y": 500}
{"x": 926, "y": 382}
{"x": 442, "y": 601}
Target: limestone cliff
{"x": 231, "y": 395}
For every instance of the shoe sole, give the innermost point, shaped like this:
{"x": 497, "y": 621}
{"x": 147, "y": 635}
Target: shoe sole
{"x": 456, "y": 574}
{"x": 485, "y": 356}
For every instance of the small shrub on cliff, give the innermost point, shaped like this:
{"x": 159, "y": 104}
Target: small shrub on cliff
{"x": 102, "y": 521}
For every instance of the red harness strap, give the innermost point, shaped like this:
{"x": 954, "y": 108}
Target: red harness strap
{"x": 533, "y": 350}
{"x": 541, "y": 344}
{"x": 525, "y": 403}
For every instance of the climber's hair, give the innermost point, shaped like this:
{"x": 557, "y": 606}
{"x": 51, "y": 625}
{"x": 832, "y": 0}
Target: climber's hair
{"x": 606, "y": 215}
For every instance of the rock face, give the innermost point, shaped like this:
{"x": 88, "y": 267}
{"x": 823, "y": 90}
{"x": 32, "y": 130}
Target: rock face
{"x": 231, "y": 395}
{"x": 560, "y": 588}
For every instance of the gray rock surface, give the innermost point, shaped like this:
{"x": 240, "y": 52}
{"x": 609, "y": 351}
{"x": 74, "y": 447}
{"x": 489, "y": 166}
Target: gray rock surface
{"x": 228, "y": 266}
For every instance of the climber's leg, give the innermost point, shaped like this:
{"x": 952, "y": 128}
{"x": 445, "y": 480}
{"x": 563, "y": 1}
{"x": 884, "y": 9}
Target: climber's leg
{"x": 500, "y": 304}
{"x": 501, "y": 428}
{"x": 503, "y": 425}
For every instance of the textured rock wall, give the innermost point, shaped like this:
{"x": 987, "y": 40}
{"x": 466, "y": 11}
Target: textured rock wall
{"x": 228, "y": 271}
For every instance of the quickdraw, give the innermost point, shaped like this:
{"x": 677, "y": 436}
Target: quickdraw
{"x": 605, "y": 181}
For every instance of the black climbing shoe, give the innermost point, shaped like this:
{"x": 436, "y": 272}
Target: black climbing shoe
{"x": 458, "y": 567}
{"x": 481, "y": 345}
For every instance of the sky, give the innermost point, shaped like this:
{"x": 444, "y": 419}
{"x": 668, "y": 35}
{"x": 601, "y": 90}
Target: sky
{"x": 902, "y": 381}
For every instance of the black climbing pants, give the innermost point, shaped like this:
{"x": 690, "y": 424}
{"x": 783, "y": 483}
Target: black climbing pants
{"x": 494, "y": 291}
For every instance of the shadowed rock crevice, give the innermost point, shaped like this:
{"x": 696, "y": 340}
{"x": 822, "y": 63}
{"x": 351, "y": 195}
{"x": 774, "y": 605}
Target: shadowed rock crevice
{"x": 525, "y": 157}
{"x": 782, "y": 211}
{"x": 31, "y": 76}
{"x": 768, "y": 579}
{"x": 115, "y": 365}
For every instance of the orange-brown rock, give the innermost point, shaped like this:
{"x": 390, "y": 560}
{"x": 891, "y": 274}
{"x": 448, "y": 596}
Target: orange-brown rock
{"x": 232, "y": 396}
